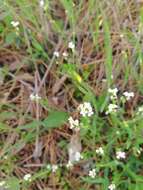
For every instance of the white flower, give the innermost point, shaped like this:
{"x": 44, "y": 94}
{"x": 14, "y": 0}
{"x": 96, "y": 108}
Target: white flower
{"x": 5, "y": 157}
{"x": 112, "y": 108}
{"x": 100, "y": 151}
{"x": 139, "y": 151}
{"x": 54, "y": 168}
{"x": 71, "y": 45}
{"x": 56, "y": 54}
{"x": 41, "y": 3}
{"x": 112, "y": 186}
{"x": 128, "y": 95}
{"x": 117, "y": 132}
{"x": 15, "y": 23}
{"x": 78, "y": 156}
{"x": 27, "y": 177}
{"x": 35, "y": 97}
{"x": 48, "y": 167}
{"x": 74, "y": 124}
{"x": 2, "y": 183}
{"x": 65, "y": 54}
{"x": 69, "y": 164}
{"x": 140, "y": 110}
{"x": 92, "y": 173}
{"x": 86, "y": 109}
{"x": 113, "y": 93}
{"x": 120, "y": 155}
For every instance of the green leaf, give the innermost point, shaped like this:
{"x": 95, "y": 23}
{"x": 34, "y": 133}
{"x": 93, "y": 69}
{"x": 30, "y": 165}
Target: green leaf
{"x": 31, "y": 125}
{"x": 10, "y": 38}
{"x": 13, "y": 184}
{"x": 55, "y": 119}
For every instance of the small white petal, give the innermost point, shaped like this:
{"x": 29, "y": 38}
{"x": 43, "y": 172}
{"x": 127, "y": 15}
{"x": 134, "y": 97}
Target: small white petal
{"x": 34, "y": 97}
{"x": 120, "y": 155}
{"x": 41, "y": 3}
{"x": 65, "y": 54}
{"x": 2, "y": 183}
{"x": 56, "y": 54}
{"x": 92, "y": 173}
{"x": 69, "y": 164}
{"x": 112, "y": 187}
{"x": 54, "y": 168}
{"x": 86, "y": 109}
{"x": 27, "y": 177}
{"x": 71, "y": 45}
{"x": 100, "y": 151}
{"x": 15, "y": 23}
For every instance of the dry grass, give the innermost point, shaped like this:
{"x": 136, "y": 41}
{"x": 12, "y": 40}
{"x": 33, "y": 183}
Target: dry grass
{"x": 108, "y": 41}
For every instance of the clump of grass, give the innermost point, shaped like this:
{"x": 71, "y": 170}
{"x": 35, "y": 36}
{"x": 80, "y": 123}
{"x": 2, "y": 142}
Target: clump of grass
{"x": 71, "y": 95}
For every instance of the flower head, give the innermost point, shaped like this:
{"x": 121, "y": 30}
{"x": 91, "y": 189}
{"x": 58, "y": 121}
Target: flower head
{"x": 140, "y": 110}
{"x": 120, "y": 155}
{"x": 54, "y": 168}
{"x": 69, "y": 164}
{"x": 112, "y": 108}
{"x": 35, "y": 97}
{"x": 100, "y": 151}
{"x": 128, "y": 95}
{"x": 92, "y": 173}
{"x": 112, "y": 186}
{"x": 27, "y": 177}
{"x": 41, "y": 3}
{"x": 78, "y": 156}
{"x": 74, "y": 124}
{"x": 113, "y": 93}
{"x": 48, "y": 166}
{"x": 86, "y": 109}
{"x": 2, "y": 183}
{"x": 15, "y": 23}
{"x": 71, "y": 45}
{"x": 56, "y": 54}
{"x": 65, "y": 54}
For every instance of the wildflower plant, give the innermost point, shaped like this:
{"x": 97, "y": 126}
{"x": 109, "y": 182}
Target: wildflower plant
{"x": 84, "y": 58}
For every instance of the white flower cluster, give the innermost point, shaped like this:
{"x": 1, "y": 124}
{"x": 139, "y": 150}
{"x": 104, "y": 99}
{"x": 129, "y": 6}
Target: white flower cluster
{"x": 120, "y": 155}
{"x": 86, "y": 109}
{"x": 69, "y": 164}
{"x": 100, "y": 151}
{"x": 128, "y": 95}
{"x": 112, "y": 186}
{"x": 140, "y": 110}
{"x": 92, "y": 173}
{"x": 112, "y": 108}
{"x": 71, "y": 45}
{"x": 15, "y": 24}
{"x": 35, "y": 97}
{"x": 113, "y": 93}
{"x": 27, "y": 177}
{"x": 2, "y": 183}
{"x": 41, "y": 3}
{"x": 54, "y": 168}
{"x": 75, "y": 156}
{"x": 56, "y": 54}
{"x": 78, "y": 156}
{"x": 65, "y": 54}
{"x": 74, "y": 124}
